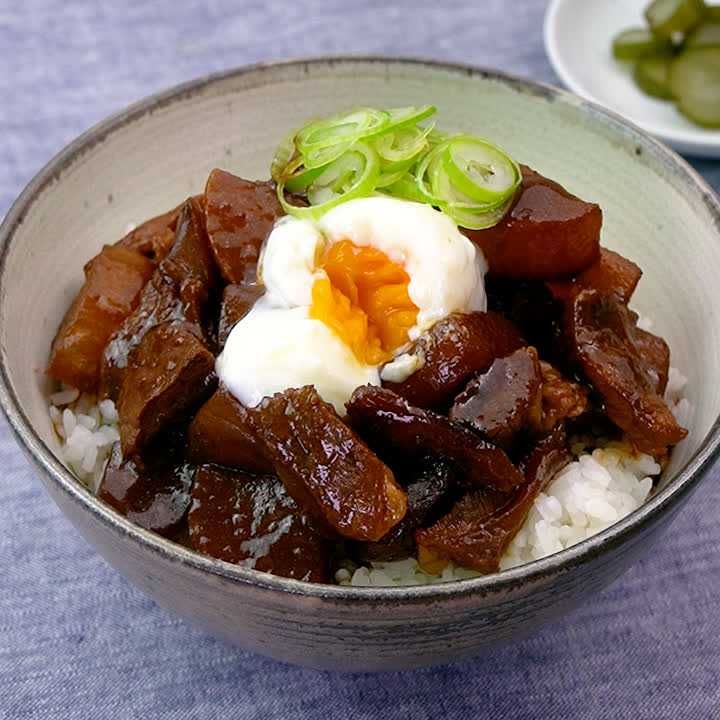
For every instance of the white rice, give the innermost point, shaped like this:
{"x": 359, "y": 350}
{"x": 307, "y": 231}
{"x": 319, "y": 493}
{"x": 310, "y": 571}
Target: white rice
{"x": 87, "y": 431}
{"x": 590, "y": 494}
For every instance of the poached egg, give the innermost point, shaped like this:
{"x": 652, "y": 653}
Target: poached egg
{"x": 346, "y": 296}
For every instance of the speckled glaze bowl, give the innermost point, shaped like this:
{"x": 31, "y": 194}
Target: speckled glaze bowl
{"x": 147, "y": 158}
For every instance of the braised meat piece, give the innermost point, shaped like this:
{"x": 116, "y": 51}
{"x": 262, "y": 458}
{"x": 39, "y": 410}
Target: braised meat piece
{"x": 189, "y": 266}
{"x": 326, "y": 467}
{"x": 237, "y": 302}
{"x": 428, "y": 490}
{"x": 240, "y": 216}
{"x": 481, "y": 525}
{"x": 500, "y": 402}
{"x": 170, "y": 373}
{"x": 548, "y": 233}
{"x": 529, "y": 306}
{"x": 561, "y": 399}
{"x": 114, "y": 280}
{"x": 611, "y": 273}
{"x": 180, "y": 290}
{"x": 391, "y": 426}
{"x": 655, "y": 352}
{"x": 220, "y": 433}
{"x": 454, "y": 350}
{"x": 252, "y": 521}
{"x": 621, "y": 367}
{"x": 154, "y": 494}
{"x": 155, "y": 237}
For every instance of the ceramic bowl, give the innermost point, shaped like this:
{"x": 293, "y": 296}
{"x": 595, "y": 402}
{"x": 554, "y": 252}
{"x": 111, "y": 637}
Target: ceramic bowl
{"x": 147, "y": 158}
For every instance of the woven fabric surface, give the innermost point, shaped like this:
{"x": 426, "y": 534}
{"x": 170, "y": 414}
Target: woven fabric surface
{"x": 77, "y": 641}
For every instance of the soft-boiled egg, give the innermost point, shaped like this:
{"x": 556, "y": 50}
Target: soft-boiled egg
{"x": 346, "y": 296}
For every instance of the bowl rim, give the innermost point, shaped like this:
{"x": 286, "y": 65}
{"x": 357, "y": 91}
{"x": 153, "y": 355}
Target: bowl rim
{"x": 687, "y": 478}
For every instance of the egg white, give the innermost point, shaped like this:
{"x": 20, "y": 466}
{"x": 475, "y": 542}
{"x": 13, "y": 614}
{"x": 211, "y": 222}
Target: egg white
{"x": 278, "y": 346}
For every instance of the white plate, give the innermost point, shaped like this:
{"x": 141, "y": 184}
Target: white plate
{"x": 578, "y": 34}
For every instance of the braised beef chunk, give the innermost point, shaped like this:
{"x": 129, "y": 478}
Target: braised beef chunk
{"x": 155, "y": 493}
{"x": 428, "y": 491}
{"x": 180, "y": 290}
{"x": 500, "y": 402}
{"x": 655, "y": 353}
{"x": 252, "y": 521}
{"x": 621, "y": 367}
{"x": 326, "y": 467}
{"x": 529, "y": 305}
{"x": 153, "y": 238}
{"x": 611, "y": 273}
{"x": 547, "y": 234}
{"x": 443, "y": 466}
{"x": 189, "y": 266}
{"x": 391, "y": 426}
{"x": 221, "y": 433}
{"x": 170, "y": 373}
{"x": 237, "y": 302}
{"x": 480, "y": 526}
{"x": 114, "y": 280}
{"x": 560, "y": 399}
{"x": 454, "y": 350}
{"x": 240, "y": 216}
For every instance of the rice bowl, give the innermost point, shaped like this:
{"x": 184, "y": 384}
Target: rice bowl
{"x": 347, "y": 627}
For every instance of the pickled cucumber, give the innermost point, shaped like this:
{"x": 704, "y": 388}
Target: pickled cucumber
{"x": 636, "y": 43}
{"x": 705, "y": 35}
{"x": 695, "y": 84}
{"x": 668, "y": 17}
{"x": 652, "y": 76}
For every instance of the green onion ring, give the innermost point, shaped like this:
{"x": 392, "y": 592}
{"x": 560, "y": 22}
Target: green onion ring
{"x": 367, "y": 151}
{"x": 481, "y": 170}
{"x": 346, "y": 127}
{"x": 404, "y": 117}
{"x": 360, "y": 164}
{"x": 403, "y": 144}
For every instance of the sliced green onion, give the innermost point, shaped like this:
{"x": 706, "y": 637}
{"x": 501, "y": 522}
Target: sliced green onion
{"x": 443, "y": 188}
{"x": 358, "y": 153}
{"x": 390, "y": 178}
{"x": 346, "y": 127}
{"x": 321, "y": 156}
{"x": 352, "y": 175}
{"x": 403, "y": 144}
{"x": 408, "y": 116}
{"x": 300, "y": 179}
{"x": 477, "y": 220}
{"x": 481, "y": 170}
{"x": 435, "y": 137}
{"x": 404, "y": 189}
{"x": 421, "y": 174}
{"x": 283, "y": 155}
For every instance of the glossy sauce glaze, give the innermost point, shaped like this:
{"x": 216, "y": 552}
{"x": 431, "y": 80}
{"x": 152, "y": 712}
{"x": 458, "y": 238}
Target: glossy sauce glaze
{"x": 440, "y": 459}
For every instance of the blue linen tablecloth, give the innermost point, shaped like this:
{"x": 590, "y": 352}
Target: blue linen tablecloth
{"x": 76, "y": 641}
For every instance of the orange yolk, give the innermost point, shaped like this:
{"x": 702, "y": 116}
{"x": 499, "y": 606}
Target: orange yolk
{"x": 364, "y": 300}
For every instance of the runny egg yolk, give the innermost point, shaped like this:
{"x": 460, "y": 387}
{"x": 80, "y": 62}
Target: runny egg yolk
{"x": 364, "y": 299}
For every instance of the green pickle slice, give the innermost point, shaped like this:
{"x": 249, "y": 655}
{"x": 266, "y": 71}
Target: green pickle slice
{"x": 705, "y": 35}
{"x": 667, "y": 17}
{"x": 712, "y": 12}
{"x": 636, "y": 43}
{"x": 695, "y": 84}
{"x": 652, "y": 76}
